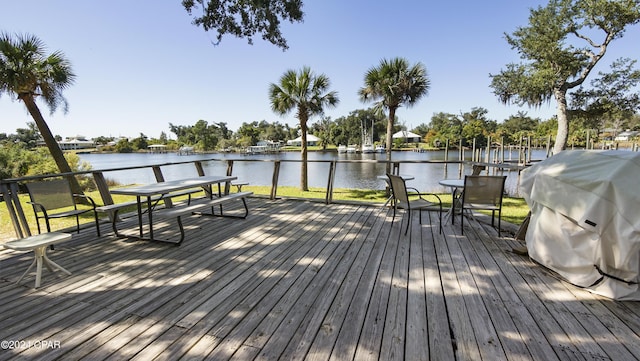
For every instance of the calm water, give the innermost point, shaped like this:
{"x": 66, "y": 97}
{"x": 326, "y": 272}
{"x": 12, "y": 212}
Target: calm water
{"x": 348, "y": 175}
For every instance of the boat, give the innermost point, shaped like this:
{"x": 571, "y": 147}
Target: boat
{"x": 367, "y": 136}
{"x": 342, "y": 149}
{"x": 184, "y": 150}
{"x": 379, "y": 148}
{"x": 367, "y": 148}
{"x": 351, "y": 148}
{"x": 256, "y": 149}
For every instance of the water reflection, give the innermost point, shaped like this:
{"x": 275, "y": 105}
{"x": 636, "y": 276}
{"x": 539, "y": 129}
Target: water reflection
{"x": 358, "y": 175}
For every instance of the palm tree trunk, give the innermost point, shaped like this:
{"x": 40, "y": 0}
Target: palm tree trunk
{"x": 304, "y": 184}
{"x": 50, "y": 141}
{"x": 392, "y": 117}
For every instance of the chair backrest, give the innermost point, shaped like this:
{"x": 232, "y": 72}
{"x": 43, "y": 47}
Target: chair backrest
{"x": 483, "y": 189}
{"x": 399, "y": 188}
{"x": 51, "y": 194}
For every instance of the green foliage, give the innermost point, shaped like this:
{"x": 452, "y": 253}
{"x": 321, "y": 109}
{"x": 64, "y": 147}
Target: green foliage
{"x": 14, "y": 160}
{"x": 17, "y": 161}
{"x": 26, "y": 136}
{"x": 468, "y": 126}
{"x": 102, "y": 140}
{"x": 308, "y": 94}
{"x": 304, "y": 91}
{"x": 394, "y": 83}
{"x": 140, "y": 143}
{"x": 559, "y": 48}
{"x": 124, "y": 146}
{"x": 201, "y": 135}
{"x": 348, "y": 130}
{"x": 246, "y": 18}
{"x": 26, "y": 70}
{"x": 421, "y": 129}
{"x": 477, "y": 126}
{"x": 446, "y": 126}
{"x": 612, "y": 97}
{"x": 323, "y": 129}
{"x": 517, "y": 126}
{"x": 248, "y": 134}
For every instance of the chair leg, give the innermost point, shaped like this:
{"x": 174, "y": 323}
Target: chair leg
{"x": 95, "y": 215}
{"x": 408, "y": 214}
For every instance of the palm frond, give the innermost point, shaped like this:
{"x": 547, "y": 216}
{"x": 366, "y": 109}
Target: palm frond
{"x": 26, "y": 70}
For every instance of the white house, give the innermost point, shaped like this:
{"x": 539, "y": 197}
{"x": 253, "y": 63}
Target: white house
{"x": 407, "y": 136}
{"x": 269, "y": 145}
{"x": 311, "y": 140}
{"x": 626, "y": 136}
{"x": 76, "y": 143}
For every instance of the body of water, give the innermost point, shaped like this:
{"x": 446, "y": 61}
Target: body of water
{"x": 260, "y": 170}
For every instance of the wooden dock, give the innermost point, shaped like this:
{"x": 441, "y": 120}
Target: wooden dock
{"x": 302, "y": 280}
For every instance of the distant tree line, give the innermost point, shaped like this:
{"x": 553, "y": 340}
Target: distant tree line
{"x": 443, "y": 127}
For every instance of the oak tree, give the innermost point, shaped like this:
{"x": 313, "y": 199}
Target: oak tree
{"x": 560, "y": 47}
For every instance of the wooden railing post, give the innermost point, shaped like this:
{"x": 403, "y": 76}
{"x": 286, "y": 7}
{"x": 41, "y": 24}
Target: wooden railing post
{"x": 332, "y": 173}
{"x": 460, "y": 158}
{"x": 157, "y": 171}
{"x": 103, "y": 189}
{"x": 396, "y": 168}
{"x": 274, "y": 180}
{"x": 16, "y": 213}
{"x": 227, "y": 185}
{"x": 199, "y": 168}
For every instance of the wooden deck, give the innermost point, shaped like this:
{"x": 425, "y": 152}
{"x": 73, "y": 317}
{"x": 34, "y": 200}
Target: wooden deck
{"x": 300, "y": 280}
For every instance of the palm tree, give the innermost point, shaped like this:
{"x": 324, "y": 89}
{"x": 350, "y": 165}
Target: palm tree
{"x": 27, "y": 71}
{"x": 307, "y": 92}
{"x": 393, "y": 84}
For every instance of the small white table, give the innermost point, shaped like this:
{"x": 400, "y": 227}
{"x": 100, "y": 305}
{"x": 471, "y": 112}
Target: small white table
{"x": 455, "y": 185}
{"x": 39, "y": 244}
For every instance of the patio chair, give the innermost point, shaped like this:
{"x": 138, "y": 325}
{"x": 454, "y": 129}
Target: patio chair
{"x": 456, "y": 197}
{"x": 401, "y": 200}
{"x": 483, "y": 193}
{"x": 54, "y": 199}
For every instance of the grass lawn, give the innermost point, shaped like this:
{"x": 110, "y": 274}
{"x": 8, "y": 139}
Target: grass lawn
{"x": 514, "y": 210}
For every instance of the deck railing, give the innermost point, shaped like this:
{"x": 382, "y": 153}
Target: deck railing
{"x": 11, "y": 188}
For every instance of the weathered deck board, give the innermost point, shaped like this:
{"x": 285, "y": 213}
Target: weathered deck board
{"x": 302, "y": 280}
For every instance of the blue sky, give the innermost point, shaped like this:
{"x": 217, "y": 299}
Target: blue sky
{"x": 141, "y": 65}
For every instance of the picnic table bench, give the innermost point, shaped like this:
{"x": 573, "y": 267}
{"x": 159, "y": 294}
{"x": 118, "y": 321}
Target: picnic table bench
{"x": 146, "y": 193}
{"x": 197, "y": 207}
{"x": 118, "y": 206}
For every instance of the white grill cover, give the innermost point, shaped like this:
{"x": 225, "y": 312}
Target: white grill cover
{"x": 584, "y": 219}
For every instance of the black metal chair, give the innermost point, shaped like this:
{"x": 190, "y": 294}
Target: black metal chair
{"x": 401, "y": 200}
{"x": 54, "y": 199}
{"x": 483, "y": 193}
